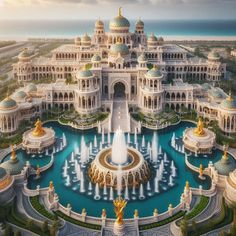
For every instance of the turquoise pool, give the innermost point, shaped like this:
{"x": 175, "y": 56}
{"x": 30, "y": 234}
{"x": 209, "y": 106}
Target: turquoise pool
{"x": 93, "y": 207}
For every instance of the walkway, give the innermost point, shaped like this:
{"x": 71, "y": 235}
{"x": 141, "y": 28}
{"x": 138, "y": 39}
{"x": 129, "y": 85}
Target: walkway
{"x": 120, "y": 116}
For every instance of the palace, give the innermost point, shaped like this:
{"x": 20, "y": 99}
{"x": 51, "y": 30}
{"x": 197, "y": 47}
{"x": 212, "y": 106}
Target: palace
{"x": 112, "y": 66}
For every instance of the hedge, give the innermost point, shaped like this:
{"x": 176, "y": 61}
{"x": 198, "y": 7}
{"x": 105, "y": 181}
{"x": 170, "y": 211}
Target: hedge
{"x": 198, "y": 208}
{"x": 41, "y": 209}
{"x": 77, "y": 222}
{"x": 162, "y": 222}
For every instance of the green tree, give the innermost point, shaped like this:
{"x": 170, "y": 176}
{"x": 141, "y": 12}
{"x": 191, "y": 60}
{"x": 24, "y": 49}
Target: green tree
{"x": 184, "y": 227}
{"x": 44, "y": 226}
{"x": 30, "y": 224}
{"x": 17, "y": 233}
{"x": 8, "y": 231}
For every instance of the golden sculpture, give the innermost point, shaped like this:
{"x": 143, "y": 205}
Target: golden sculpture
{"x": 225, "y": 156}
{"x": 119, "y": 205}
{"x": 187, "y": 185}
{"x": 201, "y": 170}
{"x": 13, "y": 153}
{"x": 38, "y": 171}
{"x": 199, "y": 131}
{"x": 51, "y": 185}
{"x": 38, "y": 130}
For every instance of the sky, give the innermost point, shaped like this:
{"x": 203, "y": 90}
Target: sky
{"x": 106, "y": 9}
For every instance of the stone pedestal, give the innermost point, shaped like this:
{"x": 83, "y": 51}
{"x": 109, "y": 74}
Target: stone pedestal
{"x": 119, "y": 230}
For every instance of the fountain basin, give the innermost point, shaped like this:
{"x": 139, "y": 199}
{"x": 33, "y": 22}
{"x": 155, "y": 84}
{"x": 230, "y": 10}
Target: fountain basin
{"x": 133, "y": 173}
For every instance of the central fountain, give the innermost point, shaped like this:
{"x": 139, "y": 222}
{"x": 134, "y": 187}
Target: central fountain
{"x": 119, "y": 166}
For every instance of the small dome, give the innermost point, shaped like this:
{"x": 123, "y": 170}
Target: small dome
{"x": 99, "y": 24}
{"x": 86, "y": 39}
{"x": 216, "y": 93}
{"x": 8, "y": 104}
{"x": 77, "y": 40}
{"x": 31, "y": 88}
{"x": 229, "y": 103}
{"x": 20, "y": 95}
{"x": 139, "y": 23}
{"x": 206, "y": 86}
{"x": 96, "y": 58}
{"x": 152, "y": 39}
{"x": 154, "y": 72}
{"x": 3, "y": 172}
{"x": 25, "y": 54}
{"x": 119, "y": 48}
{"x": 119, "y": 21}
{"x": 84, "y": 73}
{"x": 142, "y": 58}
{"x": 213, "y": 55}
{"x": 13, "y": 167}
{"x": 224, "y": 167}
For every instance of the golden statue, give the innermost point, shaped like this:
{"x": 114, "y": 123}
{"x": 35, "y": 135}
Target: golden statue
{"x": 225, "y": 156}
{"x": 13, "y": 153}
{"x": 51, "y": 185}
{"x": 187, "y": 185}
{"x": 201, "y": 170}
{"x": 199, "y": 131}
{"x": 119, "y": 205}
{"x": 38, "y": 171}
{"x": 38, "y": 130}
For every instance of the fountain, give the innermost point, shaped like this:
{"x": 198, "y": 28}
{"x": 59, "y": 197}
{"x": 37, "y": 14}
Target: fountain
{"x": 72, "y": 158}
{"x": 165, "y": 158}
{"x": 119, "y": 153}
{"x": 77, "y": 171}
{"x": 90, "y": 186}
{"x": 154, "y": 148}
{"x": 46, "y": 153}
{"x": 84, "y": 152}
{"x": 111, "y": 197}
{"x": 97, "y": 192}
{"x": 109, "y": 138}
{"x": 135, "y": 137}
{"x": 148, "y": 186}
{"x": 173, "y": 169}
{"x": 64, "y": 141}
{"x": 173, "y": 140}
{"x": 82, "y": 187}
{"x": 143, "y": 142}
{"x": 156, "y": 185}
{"x": 103, "y": 136}
{"x": 90, "y": 148}
{"x": 170, "y": 181}
{"x": 119, "y": 180}
{"x": 95, "y": 143}
{"x": 128, "y": 138}
{"x": 67, "y": 181}
{"x": 105, "y": 190}
{"x": 133, "y": 190}
{"x": 126, "y": 193}
{"x": 141, "y": 192}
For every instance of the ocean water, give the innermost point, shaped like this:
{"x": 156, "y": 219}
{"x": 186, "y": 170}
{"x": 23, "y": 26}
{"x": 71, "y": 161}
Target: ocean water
{"x": 23, "y": 29}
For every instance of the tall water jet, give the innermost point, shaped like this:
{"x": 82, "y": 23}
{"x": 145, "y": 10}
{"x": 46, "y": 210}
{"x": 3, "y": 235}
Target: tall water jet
{"x": 105, "y": 190}
{"x": 126, "y": 193}
{"x": 119, "y": 148}
{"x": 154, "y": 148}
{"x": 141, "y": 192}
{"x": 97, "y": 192}
{"x": 90, "y": 148}
{"x": 119, "y": 180}
{"x": 135, "y": 137}
{"x": 65, "y": 172}
{"x": 156, "y": 185}
{"x": 90, "y": 186}
{"x": 95, "y": 142}
{"x": 134, "y": 190}
{"x": 128, "y": 138}
{"x": 67, "y": 180}
{"x": 109, "y": 138}
{"x": 84, "y": 151}
{"x": 46, "y": 152}
{"x": 111, "y": 197}
{"x": 78, "y": 171}
{"x": 72, "y": 158}
{"x": 170, "y": 181}
{"x": 64, "y": 141}
{"x": 143, "y": 142}
{"x": 148, "y": 186}
{"x": 103, "y": 136}
{"x": 165, "y": 158}
{"x": 82, "y": 187}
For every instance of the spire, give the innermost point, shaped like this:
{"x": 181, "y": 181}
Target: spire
{"x": 119, "y": 12}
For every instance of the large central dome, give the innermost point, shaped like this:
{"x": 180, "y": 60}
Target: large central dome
{"x": 119, "y": 22}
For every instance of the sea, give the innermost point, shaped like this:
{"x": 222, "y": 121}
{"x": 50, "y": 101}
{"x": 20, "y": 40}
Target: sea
{"x": 23, "y": 29}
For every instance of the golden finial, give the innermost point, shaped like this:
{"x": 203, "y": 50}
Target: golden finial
{"x": 155, "y": 211}
{"x": 135, "y": 213}
{"x": 119, "y": 12}
{"x": 199, "y": 131}
{"x": 104, "y": 212}
{"x": 83, "y": 211}
{"x": 13, "y": 153}
{"x": 38, "y": 130}
{"x": 119, "y": 205}
{"x": 230, "y": 97}
{"x": 201, "y": 170}
{"x": 170, "y": 205}
{"x": 187, "y": 185}
{"x": 38, "y": 170}
{"x": 51, "y": 185}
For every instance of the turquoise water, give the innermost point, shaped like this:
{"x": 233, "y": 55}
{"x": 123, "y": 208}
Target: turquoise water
{"x": 22, "y": 29}
{"x": 93, "y": 207}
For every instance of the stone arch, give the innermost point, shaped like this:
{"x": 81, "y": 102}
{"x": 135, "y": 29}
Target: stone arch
{"x": 122, "y": 83}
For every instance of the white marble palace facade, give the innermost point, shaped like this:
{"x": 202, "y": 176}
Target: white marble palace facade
{"x": 118, "y": 70}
